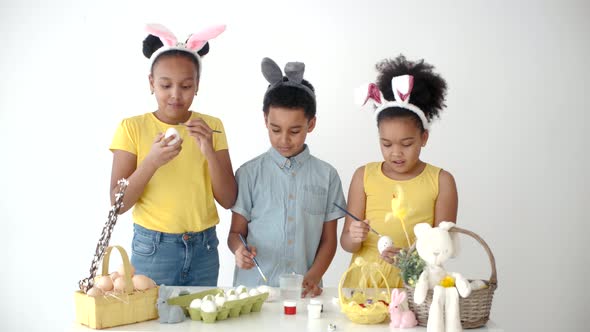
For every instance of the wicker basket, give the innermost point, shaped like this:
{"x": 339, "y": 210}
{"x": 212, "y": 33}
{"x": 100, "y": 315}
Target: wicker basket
{"x": 475, "y": 309}
{"x": 125, "y": 308}
{"x": 374, "y": 313}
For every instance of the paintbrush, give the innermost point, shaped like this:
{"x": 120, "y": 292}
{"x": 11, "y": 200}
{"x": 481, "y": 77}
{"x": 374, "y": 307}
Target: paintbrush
{"x": 357, "y": 219}
{"x": 254, "y": 258}
{"x": 213, "y": 130}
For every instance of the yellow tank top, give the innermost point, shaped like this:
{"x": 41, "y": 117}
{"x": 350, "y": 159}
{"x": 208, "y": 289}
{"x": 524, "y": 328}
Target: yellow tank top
{"x": 420, "y": 194}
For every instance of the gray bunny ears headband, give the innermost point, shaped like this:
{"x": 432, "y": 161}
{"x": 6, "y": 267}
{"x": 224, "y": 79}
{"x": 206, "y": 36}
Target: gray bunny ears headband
{"x": 293, "y": 72}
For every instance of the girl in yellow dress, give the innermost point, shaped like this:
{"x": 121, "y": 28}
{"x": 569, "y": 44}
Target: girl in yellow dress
{"x": 402, "y": 190}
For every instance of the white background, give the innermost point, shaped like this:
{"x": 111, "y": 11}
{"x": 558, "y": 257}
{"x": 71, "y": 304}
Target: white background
{"x": 513, "y": 135}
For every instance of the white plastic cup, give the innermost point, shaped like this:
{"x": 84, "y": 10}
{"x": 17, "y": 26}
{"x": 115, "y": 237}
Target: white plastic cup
{"x": 314, "y": 311}
{"x": 317, "y": 301}
{"x": 291, "y": 286}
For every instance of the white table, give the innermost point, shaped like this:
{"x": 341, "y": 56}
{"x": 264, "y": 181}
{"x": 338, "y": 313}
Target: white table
{"x": 271, "y": 318}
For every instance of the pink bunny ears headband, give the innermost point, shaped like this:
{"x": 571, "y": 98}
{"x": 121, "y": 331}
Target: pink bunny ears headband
{"x": 293, "y": 71}
{"x": 193, "y": 45}
{"x": 402, "y": 88}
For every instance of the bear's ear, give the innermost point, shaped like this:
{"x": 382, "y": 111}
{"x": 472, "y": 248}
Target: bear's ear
{"x": 420, "y": 229}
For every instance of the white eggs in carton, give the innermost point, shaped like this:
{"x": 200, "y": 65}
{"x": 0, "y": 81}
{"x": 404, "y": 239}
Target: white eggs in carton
{"x": 241, "y": 289}
{"x": 208, "y": 306}
{"x": 220, "y": 300}
{"x": 196, "y": 303}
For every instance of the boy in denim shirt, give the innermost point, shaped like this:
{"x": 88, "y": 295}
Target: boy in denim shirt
{"x": 285, "y": 198}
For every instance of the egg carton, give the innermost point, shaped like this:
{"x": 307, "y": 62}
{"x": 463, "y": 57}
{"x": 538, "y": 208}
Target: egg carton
{"x": 230, "y": 309}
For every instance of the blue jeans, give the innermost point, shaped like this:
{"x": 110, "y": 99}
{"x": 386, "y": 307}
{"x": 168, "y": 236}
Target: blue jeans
{"x": 187, "y": 259}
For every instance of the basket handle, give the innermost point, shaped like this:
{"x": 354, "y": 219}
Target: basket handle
{"x": 126, "y": 266}
{"x": 494, "y": 276}
{"x": 352, "y": 266}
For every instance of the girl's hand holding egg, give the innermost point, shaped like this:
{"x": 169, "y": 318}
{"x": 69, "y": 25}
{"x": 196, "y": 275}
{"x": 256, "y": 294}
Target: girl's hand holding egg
{"x": 162, "y": 150}
{"x": 386, "y": 249}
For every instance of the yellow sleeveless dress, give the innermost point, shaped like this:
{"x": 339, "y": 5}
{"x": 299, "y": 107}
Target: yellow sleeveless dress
{"x": 420, "y": 195}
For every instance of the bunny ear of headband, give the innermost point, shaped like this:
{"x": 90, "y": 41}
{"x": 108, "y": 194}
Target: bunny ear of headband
{"x": 193, "y": 45}
{"x": 293, "y": 71}
{"x": 369, "y": 96}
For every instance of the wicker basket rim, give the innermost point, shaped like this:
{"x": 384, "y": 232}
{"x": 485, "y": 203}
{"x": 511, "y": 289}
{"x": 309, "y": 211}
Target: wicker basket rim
{"x": 493, "y": 282}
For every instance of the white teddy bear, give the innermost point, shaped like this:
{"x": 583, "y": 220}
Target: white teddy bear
{"x": 435, "y": 246}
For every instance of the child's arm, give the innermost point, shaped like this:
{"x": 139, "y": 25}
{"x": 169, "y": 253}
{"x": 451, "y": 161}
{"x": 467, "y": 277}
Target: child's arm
{"x": 222, "y": 179}
{"x": 239, "y": 225}
{"x": 445, "y": 208}
{"x": 125, "y": 166}
{"x": 355, "y": 232}
{"x": 220, "y": 169}
{"x": 323, "y": 258}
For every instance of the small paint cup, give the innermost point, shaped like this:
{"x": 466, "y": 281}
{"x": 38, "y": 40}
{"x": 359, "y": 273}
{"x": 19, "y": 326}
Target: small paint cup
{"x": 290, "y": 307}
{"x": 317, "y": 301}
{"x": 314, "y": 311}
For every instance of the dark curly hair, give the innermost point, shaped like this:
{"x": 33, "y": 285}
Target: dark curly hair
{"x": 152, "y": 43}
{"x": 291, "y": 97}
{"x": 428, "y": 93}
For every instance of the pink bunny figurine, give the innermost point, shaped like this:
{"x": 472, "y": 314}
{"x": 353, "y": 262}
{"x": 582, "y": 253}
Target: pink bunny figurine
{"x": 400, "y": 318}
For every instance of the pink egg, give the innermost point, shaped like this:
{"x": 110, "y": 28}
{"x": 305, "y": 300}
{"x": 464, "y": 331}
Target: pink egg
{"x": 121, "y": 270}
{"x": 120, "y": 284}
{"x": 104, "y": 283}
{"x": 141, "y": 282}
{"x": 94, "y": 292}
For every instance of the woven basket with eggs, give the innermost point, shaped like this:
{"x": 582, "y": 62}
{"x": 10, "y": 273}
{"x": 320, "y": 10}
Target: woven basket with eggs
{"x": 131, "y": 300}
{"x": 366, "y": 305}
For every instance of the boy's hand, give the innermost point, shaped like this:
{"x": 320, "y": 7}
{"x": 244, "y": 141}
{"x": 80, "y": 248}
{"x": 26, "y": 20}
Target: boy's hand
{"x": 389, "y": 253}
{"x": 202, "y": 133}
{"x": 161, "y": 153}
{"x": 311, "y": 286}
{"x": 244, "y": 259}
{"x": 359, "y": 230}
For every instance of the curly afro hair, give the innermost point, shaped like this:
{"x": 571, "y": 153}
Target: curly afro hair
{"x": 428, "y": 93}
{"x": 291, "y": 97}
{"x": 152, "y": 43}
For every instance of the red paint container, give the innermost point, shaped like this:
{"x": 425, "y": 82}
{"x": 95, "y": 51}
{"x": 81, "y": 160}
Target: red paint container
{"x": 290, "y": 307}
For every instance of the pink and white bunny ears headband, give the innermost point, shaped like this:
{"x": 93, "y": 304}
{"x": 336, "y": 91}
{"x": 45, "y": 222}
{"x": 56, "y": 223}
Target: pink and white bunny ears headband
{"x": 195, "y": 43}
{"x": 401, "y": 87}
{"x": 293, "y": 71}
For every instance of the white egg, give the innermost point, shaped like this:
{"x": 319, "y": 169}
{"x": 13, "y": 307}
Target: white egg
{"x": 384, "y": 243}
{"x": 264, "y": 289}
{"x": 243, "y": 295}
{"x": 232, "y": 297}
{"x": 241, "y": 289}
{"x": 253, "y": 292}
{"x": 172, "y": 132}
{"x": 219, "y": 301}
{"x": 196, "y": 303}
{"x": 208, "y": 306}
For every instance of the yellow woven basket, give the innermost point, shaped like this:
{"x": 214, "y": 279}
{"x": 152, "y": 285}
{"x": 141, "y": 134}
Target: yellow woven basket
{"x": 373, "y": 309}
{"x": 119, "y": 309}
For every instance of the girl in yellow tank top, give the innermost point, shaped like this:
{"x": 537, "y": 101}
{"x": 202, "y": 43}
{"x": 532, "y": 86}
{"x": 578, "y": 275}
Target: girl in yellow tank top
{"x": 406, "y": 97}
